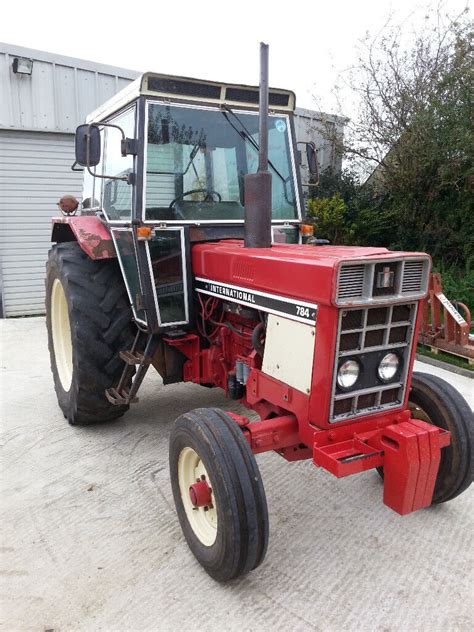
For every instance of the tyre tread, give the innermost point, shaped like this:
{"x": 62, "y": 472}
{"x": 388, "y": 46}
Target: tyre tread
{"x": 238, "y": 467}
{"x": 101, "y": 326}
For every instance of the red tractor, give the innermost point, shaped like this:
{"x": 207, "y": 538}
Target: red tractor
{"x": 187, "y": 255}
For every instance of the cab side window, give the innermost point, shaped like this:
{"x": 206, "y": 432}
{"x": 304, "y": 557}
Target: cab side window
{"x": 117, "y": 194}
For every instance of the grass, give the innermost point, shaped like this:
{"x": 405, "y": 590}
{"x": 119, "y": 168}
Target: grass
{"x": 445, "y": 357}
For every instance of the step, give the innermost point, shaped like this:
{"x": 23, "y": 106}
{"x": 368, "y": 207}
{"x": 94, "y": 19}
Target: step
{"x": 118, "y": 399}
{"x": 347, "y": 457}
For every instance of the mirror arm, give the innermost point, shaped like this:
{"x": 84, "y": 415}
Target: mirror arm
{"x": 73, "y": 167}
{"x": 101, "y": 124}
{"x": 129, "y": 178}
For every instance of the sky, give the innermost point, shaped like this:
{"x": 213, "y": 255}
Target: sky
{"x": 311, "y": 42}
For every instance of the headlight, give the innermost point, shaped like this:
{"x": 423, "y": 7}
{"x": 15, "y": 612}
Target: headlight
{"x": 348, "y": 373}
{"x": 388, "y": 366}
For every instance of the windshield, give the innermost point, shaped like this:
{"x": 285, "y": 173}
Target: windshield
{"x": 197, "y": 159}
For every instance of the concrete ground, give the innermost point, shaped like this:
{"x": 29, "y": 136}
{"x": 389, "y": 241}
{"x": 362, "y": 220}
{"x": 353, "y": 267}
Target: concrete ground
{"x": 90, "y": 538}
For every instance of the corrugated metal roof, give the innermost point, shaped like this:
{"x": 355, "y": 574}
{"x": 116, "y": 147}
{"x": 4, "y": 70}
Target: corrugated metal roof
{"x": 59, "y": 93}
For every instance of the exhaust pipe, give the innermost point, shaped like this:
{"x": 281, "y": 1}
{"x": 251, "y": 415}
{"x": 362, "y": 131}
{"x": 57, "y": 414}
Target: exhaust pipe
{"x": 258, "y": 186}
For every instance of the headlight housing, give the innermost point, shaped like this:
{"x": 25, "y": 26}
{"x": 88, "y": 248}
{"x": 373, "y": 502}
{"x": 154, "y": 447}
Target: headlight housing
{"x": 348, "y": 374}
{"x": 388, "y": 367}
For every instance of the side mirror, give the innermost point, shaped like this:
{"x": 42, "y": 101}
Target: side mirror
{"x": 312, "y": 158}
{"x": 88, "y": 145}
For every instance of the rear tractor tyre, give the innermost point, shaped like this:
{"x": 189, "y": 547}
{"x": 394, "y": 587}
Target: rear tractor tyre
{"x": 89, "y": 321}
{"x": 218, "y": 493}
{"x": 435, "y": 401}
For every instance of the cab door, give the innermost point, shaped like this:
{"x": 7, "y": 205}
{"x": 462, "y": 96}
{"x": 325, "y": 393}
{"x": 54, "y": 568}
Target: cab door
{"x": 154, "y": 269}
{"x": 117, "y": 201}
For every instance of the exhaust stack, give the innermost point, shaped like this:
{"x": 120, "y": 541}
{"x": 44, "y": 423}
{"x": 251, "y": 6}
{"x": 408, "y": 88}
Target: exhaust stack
{"x": 258, "y": 186}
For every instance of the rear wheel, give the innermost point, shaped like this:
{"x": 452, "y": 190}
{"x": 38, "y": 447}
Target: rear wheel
{"x": 436, "y": 402}
{"x": 89, "y": 321}
{"x": 218, "y": 493}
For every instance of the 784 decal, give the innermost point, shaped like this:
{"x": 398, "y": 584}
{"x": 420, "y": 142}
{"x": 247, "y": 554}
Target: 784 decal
{"x": 271, "y": 303}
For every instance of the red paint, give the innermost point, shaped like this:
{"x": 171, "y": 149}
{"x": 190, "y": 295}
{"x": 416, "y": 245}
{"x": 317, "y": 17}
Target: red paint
{"x": 262, "y": 388}
{"x": 189, "y": 346}
{"x": 411, "y": 461}
{"x": 408, "y": 450}
{"x": 89, "y": 232}
{"x": 347, "y": 457}
{"x": 200, "y": 494}
{"x": 272, "y": 434}
{"x": 299, "y": 272}
{"x": 324, "y": 357}
{"x": 293, "y": 423}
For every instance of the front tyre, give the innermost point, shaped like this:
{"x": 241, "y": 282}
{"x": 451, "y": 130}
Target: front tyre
{"x": 218, "y": 493}
{"x": 89, "y": 321}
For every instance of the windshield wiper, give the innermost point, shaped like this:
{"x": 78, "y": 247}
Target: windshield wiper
{"x": 245, "y": 134}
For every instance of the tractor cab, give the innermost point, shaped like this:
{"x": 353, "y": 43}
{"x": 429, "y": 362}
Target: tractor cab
{"x": 165, "y": 163}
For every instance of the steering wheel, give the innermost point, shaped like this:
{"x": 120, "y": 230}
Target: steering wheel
{"x": 209, "y": 195}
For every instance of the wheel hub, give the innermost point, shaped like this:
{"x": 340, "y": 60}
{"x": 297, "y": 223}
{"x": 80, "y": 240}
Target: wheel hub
{"x": 197, "y": 496}
{"x": 200, "y": 494}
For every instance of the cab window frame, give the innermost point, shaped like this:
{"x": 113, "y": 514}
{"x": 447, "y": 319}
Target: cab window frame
{"x": 292, "y": 155}
{"x": 100, "y": 182}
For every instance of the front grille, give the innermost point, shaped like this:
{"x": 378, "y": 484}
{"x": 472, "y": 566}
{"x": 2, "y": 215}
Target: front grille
{"x": 382, "y": 281}
{"x": 351, "y": 282}
{"x": 412, "y": 276}
{"x": 366, "y": 335}
{"x": 352, "y": 319}
{"x": 400, "y": 313}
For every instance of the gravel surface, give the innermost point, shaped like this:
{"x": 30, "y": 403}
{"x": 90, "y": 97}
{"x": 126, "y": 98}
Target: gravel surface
{"x": 90, "y": 538}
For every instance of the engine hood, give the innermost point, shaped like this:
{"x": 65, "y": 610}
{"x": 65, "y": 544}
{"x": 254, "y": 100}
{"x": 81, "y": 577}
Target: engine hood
{"x": 303, "y": 272}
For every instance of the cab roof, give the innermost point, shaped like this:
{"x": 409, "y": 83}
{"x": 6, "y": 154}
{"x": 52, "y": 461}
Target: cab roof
{"x": 187, "y": 89}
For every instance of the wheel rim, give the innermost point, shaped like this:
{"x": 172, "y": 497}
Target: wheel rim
{"x": 61, "y": 330}
{"x": 418, "y": 413}
{"x": 203, "y": 520}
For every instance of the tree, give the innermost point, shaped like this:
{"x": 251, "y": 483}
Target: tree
{"x": 414, "y": 133}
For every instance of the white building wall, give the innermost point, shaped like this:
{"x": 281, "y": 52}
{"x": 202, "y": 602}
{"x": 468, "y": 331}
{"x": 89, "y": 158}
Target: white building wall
{"x": 59, "y": 93}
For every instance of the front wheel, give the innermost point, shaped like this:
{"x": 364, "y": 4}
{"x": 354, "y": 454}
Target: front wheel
{"x": 218, "y": 493}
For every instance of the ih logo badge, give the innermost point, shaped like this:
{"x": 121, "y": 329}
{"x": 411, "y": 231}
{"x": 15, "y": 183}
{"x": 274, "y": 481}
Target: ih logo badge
{"x": 385, "y": 278}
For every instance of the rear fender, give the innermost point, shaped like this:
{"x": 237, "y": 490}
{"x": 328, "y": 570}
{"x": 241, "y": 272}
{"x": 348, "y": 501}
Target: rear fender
{"x": 90, "y": 233}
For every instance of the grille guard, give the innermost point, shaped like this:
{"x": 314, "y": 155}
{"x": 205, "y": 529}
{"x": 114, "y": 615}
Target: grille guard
{"x": 362, "y": 347}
